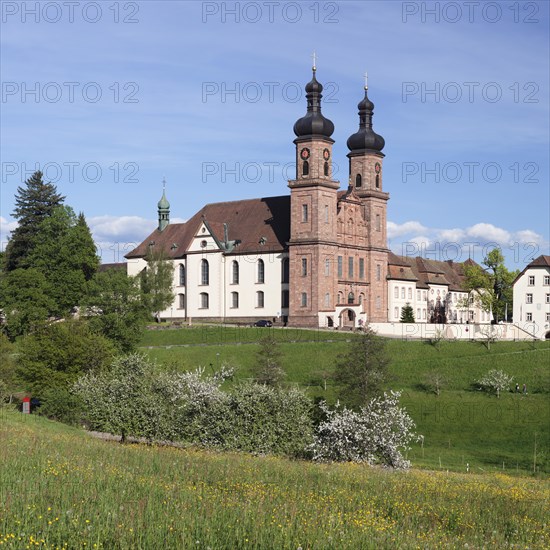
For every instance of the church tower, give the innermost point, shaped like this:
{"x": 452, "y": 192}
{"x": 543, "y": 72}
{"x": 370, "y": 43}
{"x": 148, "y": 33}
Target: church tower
{"x": 313, "y": 196}
{"x": 163, "y": 209}
{"x": 366, "y": 175}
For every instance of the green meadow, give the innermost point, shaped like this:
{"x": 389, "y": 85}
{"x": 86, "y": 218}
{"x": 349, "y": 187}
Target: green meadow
{"x": 62, "y": 488}
{"x": 463, "y": 428}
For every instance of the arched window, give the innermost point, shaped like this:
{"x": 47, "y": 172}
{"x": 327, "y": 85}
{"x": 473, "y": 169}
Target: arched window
{"x": 304, "y": 299}
{"x": 361, "y": 297}
{"x": 182, "y": 275}
{"x": 235, "y": 300}
{"x": 259, "y": 299}
{"x": 285, "y": 270}
{"x": 358, "y": 180}
{"x": 351, "y": 298}
{"x": 260, "y": 272}
{"x": 235, "y": 272}
{"x": 340, "y": 296}
{"x": 204, "y": 300}
{"x": 305, "y": 168}
{"x": 377, "y": 222}
{"x": 377, "y": 181}
{"x": 181, "y": 301}
{"x": 205, "y": 272}
{"x": 326, "y": 168}
{"x": 327, "y": 267}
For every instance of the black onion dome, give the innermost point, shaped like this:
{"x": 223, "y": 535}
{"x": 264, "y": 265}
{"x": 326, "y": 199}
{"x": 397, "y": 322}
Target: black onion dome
{"x": 365, "y": 137}
{"x": 313, "y": 123}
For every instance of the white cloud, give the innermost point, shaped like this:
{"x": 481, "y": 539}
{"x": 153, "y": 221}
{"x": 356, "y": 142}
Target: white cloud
{"x": 397, "y": 230}
{"x": 489, "y": 233}
{"x": 6, "y": 227}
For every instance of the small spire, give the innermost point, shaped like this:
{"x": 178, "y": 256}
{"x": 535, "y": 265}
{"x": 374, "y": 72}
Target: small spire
{"x": 314, "y": 56}
{"x": 366, "y": 81}
{"x": 163, "y": 184}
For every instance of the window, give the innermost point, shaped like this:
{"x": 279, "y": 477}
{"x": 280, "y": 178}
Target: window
{"x": 260, "y": 275}
{"x": 547, "y": 298}
{"x": 377, "y": 181}
{"x": 396, "y": 292}
{"x": 304, "y": 267}
{"x": 471, "y": 313}
{"x": 531, "y": 280}
{"x": 424, "y": 295}
{"x": 396, "y": 313}
{"x": 378, "y": 302}
{"x": 546, "y": 280}
{"x": 378, "y": 272}
{"x": 340, "y": 296}
{"x": 204, "y": 300}
{"x": 423, "y": 314}
{"x": 181, "y": 301}
{"x": 529, "y": 317}
{"x": 284, "y": 298}
{"x": 361, "y": 298}
{"x": 326, "y": 213}
{"x": 285, "y": 269}
{"x": 235, "y": 272}
{"x": 304, "y": 299}
{"x": 340, "y": 267}
{"x": 327, "y": 299}
{"x": 351, "y": 298}
{"x": 418, "y": 295}
{"x": 304, "y": 212}
{"x": 362, "y": 268}
{"x": 234, "y": 300}
{"x": 418, "y": 313}
{"x": 205, "y": 273}
{"x": 305, "y": 168}
{"x": 403, "y": 292}
{"x": 350, "y": 268}
{"x": 259, "y": 299}
{"x": 327, "y": 267}
{"x": 182, "y": 275}
{"x": 377, "y": 222}
{"x": 358, "y": 180}
{"x": 326, "y": 169}
{"x": 548, "y": 316}
{"x": 529, "y": 299}
{"x": 410, "y": 293}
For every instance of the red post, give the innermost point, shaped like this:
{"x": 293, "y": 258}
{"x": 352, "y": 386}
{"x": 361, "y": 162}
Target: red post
{"x": 26, "y": 405}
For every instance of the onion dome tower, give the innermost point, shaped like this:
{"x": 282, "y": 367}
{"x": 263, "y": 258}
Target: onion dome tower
{"x": 163, "y": 209}
{"x": 313, "y": 210}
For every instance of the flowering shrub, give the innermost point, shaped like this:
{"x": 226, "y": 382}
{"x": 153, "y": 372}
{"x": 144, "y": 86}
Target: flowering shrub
{"x": 495, "y": 380}
{"x": 376, "y": 434}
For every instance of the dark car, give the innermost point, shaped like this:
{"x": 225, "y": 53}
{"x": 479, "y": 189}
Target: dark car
{"x": 263, "y": 323}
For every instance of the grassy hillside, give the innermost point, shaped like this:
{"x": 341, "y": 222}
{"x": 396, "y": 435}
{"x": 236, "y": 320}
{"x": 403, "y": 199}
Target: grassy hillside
{"x": 462, "y": 426}
{"x": 63, "y": 489}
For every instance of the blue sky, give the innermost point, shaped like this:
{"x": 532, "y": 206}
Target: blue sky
{"x": 143, "y": 90}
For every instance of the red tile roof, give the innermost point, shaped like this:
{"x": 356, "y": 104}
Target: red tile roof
{"x": 250, "y": 221}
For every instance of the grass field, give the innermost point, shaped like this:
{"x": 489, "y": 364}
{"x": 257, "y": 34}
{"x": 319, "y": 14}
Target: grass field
{"x": 462, "y": 426}
{"x": 63, "y": 489}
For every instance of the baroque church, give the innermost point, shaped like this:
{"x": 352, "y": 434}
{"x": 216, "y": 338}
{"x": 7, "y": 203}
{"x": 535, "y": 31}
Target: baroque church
{"x": 315, "y": 258}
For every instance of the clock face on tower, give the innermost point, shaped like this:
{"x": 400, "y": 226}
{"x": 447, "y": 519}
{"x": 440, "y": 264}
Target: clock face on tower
{"x": 326, "y": 154}
{"x": 377, "y": 168}
{"x": 304, "y": 153}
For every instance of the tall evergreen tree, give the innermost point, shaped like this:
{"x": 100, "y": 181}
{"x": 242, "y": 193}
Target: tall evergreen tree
{"x": 407, "y": 314}
{"x": 64, "y": 251}
{"x": 33, "y": 204}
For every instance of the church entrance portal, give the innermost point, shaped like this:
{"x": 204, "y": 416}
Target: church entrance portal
{"x": 347, "y": 318}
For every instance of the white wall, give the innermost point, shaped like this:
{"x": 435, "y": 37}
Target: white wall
{"x": 539, "y": 324}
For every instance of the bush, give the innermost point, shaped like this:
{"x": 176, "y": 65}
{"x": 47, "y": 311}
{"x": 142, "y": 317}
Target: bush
{"x": 376, "y": 434}
{"x": 62, "y": 405}
{"x": 264, "y": 419}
